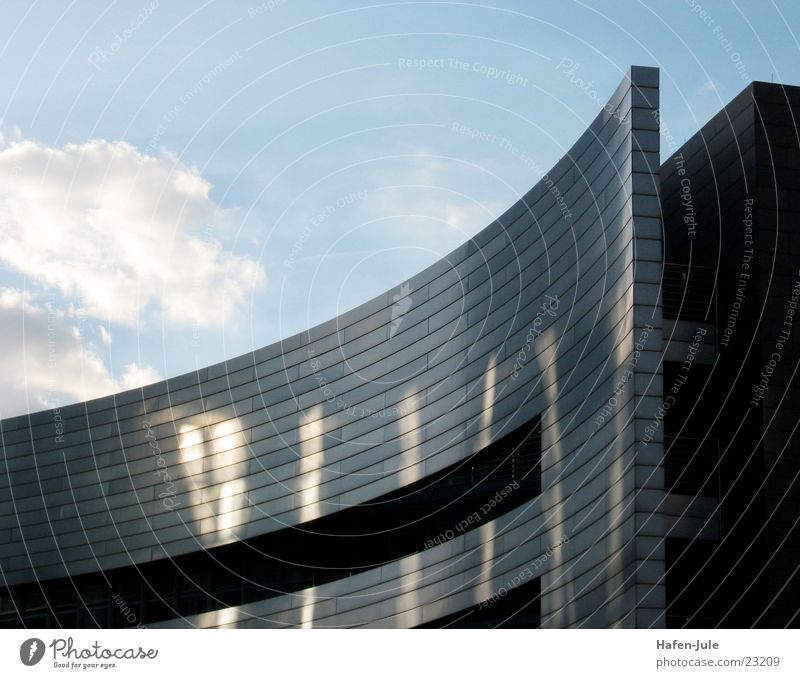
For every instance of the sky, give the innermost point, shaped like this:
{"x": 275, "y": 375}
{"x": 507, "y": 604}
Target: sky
{"x": 183, "y": 182}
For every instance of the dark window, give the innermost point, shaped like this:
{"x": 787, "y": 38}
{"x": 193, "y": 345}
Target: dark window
{"x": 688, "y": 292}
{"x": 692, "y": 575}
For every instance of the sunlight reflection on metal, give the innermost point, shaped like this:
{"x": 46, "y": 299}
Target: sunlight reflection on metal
{"x": 231, "y": 498}
{"x": 486, "y": 535}
{"x": 413, "y": 436}
{"x": 311, "y": 443}
{"x": 190, "y": 443}
{"x": 307, "y": 612}
{"x": 226, "y": 436}
{"x": 225, "y": 617}
{"x": 487, "y": 411}
{"x": 553, "y": 458}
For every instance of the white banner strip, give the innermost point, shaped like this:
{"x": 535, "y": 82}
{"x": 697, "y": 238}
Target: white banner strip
{"x": 353, "y": 654}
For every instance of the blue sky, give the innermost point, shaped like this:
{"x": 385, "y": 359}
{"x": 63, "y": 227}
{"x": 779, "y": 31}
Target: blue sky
{"x": 184, "y": 182}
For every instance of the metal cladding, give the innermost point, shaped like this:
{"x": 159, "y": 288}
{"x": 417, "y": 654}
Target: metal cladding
{"x": 552, "y": 310}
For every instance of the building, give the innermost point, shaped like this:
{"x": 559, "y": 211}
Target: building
{"x": 730, "y": 198}
{"x": 559, "y": 424}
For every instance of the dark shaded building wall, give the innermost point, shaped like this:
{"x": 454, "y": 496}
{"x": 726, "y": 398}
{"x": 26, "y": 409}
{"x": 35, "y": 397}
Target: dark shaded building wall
{"x": 729, "y": 200}
{"x": 777, "y": 113}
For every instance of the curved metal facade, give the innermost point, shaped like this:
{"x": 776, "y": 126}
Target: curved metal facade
{"x": 552, "y": 310}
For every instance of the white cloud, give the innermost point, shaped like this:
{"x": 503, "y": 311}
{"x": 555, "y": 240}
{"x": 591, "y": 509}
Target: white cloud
{"x": 105, "y": 335}
{"x": 120, "y": 232}
{"x": 466, "y": 218}
{"x": 709, "y": 87}
{"x": 15, "y": 133}
{"x": 43, "y": 362}
{"x": 433, "y": 203}
{"x": 135, "y": 376}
